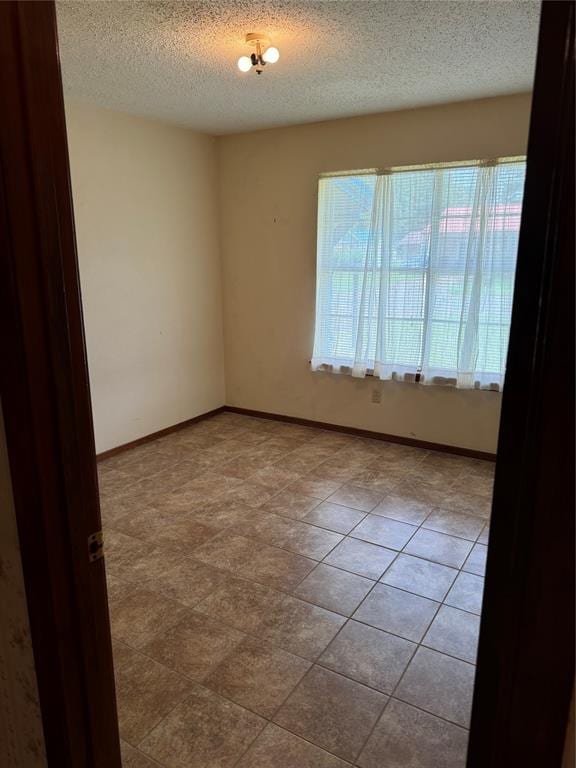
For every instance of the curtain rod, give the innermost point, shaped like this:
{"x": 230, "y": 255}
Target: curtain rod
{"x": 426, "y": 167}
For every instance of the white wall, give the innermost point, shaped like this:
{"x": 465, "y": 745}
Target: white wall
{"x": 268, "y": 187}
{"x": 146, "y": 209}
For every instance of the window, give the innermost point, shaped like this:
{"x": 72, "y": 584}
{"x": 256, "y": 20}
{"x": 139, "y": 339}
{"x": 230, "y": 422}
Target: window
{"x": 415, "y": 273}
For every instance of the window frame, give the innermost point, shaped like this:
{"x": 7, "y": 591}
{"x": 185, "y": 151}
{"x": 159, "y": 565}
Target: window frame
{"x": 450, "y": 378}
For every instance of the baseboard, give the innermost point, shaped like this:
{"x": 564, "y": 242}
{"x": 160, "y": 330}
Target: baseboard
{"x": 469, "y": 452}
{"x": 306, "y": 423}
{"x": 156, "y": 435}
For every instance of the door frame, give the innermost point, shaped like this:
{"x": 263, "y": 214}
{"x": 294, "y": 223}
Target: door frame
{"x": 46, "y": 400}
{"x": 525, "y": 662}
{"x": 525, "y": 670}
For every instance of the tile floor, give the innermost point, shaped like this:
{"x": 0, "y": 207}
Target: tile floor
{"x": 287, "y": 597}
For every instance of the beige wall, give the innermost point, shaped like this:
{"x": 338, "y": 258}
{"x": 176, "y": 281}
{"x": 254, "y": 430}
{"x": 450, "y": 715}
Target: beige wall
{"x": 268, "y": 186}
{"x": 146, "y": 209}
{"x": 21, "y": 735}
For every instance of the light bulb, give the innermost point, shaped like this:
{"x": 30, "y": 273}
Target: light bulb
{"x": 271, "y": 55}
{"x": 244, "y": 64}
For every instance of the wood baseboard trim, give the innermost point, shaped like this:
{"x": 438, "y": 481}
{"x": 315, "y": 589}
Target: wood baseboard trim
{"x": 159, "y": 433}
{"x": 453, "y": 449}
{"x": 469, "y": 452}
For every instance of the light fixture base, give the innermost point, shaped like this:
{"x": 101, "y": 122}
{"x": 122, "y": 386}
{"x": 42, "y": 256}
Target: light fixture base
{"x": 253, "y": 38}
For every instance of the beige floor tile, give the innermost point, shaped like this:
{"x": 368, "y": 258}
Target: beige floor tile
{"x": 276, "y": 748}
{"x": 222, "y": 514}
{"x": 483, "y": 538}
{"x": 398, "y": 612}
{"x": 438, "y": 547}
{"x": 264, "y": 526}
{"x": 392, "y": 458}
{"x": 454, "y": 524}
{"x": 122, "y": 654}
{"x": 403, "y": 508}
{"x": 240, "y": 603}
{"x": 144, "y": 493}
{"x": 479, "y": 485}
{"x": 133, "y": 758}
{"x": 205, "y": 731}
{"x": 422, "y": 492}
{"x": 334, "y": 589}
{"x": 216, "y": 531}
{"x": 422, "y": 577}
{"x": 466, "y": 593}
{"x": 203, "y": 488}
{"x": 331, "y": 711}
{"x": 384, "y": 532}
{"x": 147, "y": 461}
{"x": 357, "y": 498}
{"x": 193, "y": 442}
{"x": 467, "y": 503}
{"x": 439, "y": 477}
{"x": 134, "y": 456}
{"x": 476, "y": 560}
{"x": 454, "y": 632}
{"x": 143, "y": 563}
{"x": 226, "y": 450}
{"x": 406, "y": 737}
{"x": 194, "y": 646}
{"x": 291, "y": 504}
{"x": 368, "y": 655}
{"x": 226, "y": 551}
{"x": 111, "y": 508}
{"x": 360, "y": 557}
{"x": 267, "y": 454}
{"x": 275, "y": 478}
{"x": 118, "y": 589}
{"x": 310, "y": 541}
{"x": 440, "y": 685}
{"x": 114, "y": 482}
{"x": 241, "y": 468}
{"x": 277, "y": 567}
{"x": 120, "y": 546}
{"x": 145, "y": 693}
{"x": 177, "y": 533}
{"x": 299, "y": 627}
{"x": 337, "y": 472}
{"x": 333, "y": 440}
{"x": 481, "y": 468}
{"x": 285, "y": 443}
{"x": 374, "y": 480}
{"x": 257, "y": 676}
{"x": 142, "y": 615}
{"x": 334, "y": 517}
{"x": 319, "y": 488}
{"x": 179, "y": 473}
{"x": 251, "y": 493}
{"x": 300, "y": 465}
{"x": 188, "y": 582}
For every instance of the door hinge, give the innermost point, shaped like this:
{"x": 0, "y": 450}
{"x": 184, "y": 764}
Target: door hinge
{"x": 95, "y": 546}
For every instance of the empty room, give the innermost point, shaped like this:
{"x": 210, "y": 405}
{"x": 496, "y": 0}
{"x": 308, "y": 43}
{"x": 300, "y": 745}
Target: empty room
{"x": 297, "y": 227}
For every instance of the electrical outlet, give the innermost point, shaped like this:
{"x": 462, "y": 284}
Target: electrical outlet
{"x": 376, "y": 395}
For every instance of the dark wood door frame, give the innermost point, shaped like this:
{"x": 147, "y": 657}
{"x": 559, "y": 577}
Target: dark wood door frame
{"x": 526, "y": 652}
{"x": 46, "y": 399}
{"x": 525, "y": 664}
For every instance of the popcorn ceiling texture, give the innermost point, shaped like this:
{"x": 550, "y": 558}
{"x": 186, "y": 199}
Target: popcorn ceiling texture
{"x": 176, "y": 61}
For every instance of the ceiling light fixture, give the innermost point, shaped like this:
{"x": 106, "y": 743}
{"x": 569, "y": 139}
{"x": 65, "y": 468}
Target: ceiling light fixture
{"x": 263, "y": 54}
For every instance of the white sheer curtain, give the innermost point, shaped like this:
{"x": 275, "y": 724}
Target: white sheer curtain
{"x": 416, "y": 273}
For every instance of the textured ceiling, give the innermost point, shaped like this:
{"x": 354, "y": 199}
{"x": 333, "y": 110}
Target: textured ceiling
{"x": 176, "y": 61}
